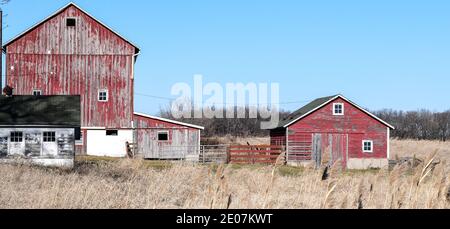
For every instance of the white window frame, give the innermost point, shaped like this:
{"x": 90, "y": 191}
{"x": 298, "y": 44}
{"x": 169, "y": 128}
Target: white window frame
{"x": 364, "y": 148}
{"x": 103, "y": 91}
{"x": 163, "y": 132}
{"x": 45, "y": 138}
{"x": 334, "y": 109}
{"x": 37, "y": 91}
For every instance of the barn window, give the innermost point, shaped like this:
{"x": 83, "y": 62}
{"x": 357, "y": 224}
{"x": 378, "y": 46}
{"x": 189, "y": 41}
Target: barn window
{"x": 49, "y": 136}
{"x": 163, "y": 136}
{"x": 338, "y": 109}
{"x": 37, "y": 92}
{"x": 103, "y": 95}
{"x": 71, "y": 22}
{"x": 367, "y": 146}
{"x": 16, "y": 136}
{"x": 112, "y": 132}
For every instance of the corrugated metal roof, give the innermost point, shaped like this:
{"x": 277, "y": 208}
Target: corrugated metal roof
{"x": 40, "y": 111}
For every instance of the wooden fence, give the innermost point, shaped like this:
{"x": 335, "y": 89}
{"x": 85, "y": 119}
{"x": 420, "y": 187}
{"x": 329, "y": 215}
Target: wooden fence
{"x": 257, "y": 154}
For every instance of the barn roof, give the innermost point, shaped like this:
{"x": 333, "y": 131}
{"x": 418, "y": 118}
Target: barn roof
{"x": 170, "y": 121}
{"x": 317, "y": 104}
{"x": 40, "y": 111}
{"x": 58, "y": 12}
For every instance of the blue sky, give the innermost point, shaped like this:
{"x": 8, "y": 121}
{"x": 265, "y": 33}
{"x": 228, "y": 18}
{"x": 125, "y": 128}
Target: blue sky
{"x": 380, "y": 54}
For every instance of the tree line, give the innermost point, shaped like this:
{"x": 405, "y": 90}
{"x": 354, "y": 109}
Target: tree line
{"x": 418, "y": 125}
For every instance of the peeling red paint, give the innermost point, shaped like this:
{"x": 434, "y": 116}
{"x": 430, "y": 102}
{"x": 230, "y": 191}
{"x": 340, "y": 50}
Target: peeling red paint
{"x": 80, "y": 60}
{"x": 353, "y": 127}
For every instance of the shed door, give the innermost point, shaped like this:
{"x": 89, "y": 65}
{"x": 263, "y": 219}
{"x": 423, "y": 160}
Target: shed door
{"x": 330, "y": 148}
{"x": 49, "y": 144}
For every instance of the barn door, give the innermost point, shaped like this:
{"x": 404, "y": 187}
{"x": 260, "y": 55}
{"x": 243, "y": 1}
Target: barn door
{"x": 339, "y": 149}
{"x": 317, "y": 150}
{"x": 329, "y": 149}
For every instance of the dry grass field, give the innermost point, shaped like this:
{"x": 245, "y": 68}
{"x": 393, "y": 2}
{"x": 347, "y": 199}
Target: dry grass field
{"x": 107, "y": 183}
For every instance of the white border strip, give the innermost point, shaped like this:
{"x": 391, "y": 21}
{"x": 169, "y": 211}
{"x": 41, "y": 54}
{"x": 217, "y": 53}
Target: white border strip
{"x": 170, "y": 121}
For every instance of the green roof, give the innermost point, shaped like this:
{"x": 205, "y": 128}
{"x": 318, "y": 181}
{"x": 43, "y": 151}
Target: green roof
{"x": 40, "y": 110}
{"x": 304, "y": 110}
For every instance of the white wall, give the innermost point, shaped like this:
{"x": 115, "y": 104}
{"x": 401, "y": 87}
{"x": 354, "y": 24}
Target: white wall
{"x": 98, "y": 144}
{"x": 32, "y": 143}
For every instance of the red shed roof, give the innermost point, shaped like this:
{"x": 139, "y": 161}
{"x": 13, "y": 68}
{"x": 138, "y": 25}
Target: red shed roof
{"x": 319, "y": 103}
{"x": 58, "y": 12}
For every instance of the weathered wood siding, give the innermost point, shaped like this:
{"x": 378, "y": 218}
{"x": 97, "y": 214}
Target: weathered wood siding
{"x": 33, "y": 145}
{"x": 80, "y": 60}
{"x": 183, "y": 141}
{"x": 355, "y": 123}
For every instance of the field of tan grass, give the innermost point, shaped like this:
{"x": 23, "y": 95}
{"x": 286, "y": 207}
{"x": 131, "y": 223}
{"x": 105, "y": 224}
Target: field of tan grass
{"x": 107, "y": 183}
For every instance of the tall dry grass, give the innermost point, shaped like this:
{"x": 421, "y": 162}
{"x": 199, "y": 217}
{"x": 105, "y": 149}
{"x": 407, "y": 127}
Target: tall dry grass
{"x": 134, "y": 184}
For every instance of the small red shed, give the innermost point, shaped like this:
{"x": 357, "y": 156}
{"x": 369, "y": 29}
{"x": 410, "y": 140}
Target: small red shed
{"x": 332, "y": 130}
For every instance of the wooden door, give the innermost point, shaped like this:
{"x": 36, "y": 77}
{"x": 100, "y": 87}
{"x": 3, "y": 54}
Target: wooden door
{"x": 329, "y": 149}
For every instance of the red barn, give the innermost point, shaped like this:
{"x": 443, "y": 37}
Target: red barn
{"x": 334, "y": 130}
{"x": 72, "y": 53}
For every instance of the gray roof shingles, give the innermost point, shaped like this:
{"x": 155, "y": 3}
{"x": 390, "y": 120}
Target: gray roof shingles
{"x": 40, "y": 110}
{"x": 304, "y": 110}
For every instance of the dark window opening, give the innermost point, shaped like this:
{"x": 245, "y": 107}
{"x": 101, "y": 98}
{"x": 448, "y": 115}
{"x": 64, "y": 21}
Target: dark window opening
{"x": 37, "y": 92}
{"x": 16, "y": 136}
{"x": 163, "y": 136}
{"x": 112, "y": 132}
{"x": 49, "y": 136}
{"x": 71, "y": 22}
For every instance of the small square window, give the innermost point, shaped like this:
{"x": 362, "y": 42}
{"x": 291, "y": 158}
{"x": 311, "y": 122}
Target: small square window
{"x": 16, "y": 136}
{"x": 71, "y": 22}
{"x": 37, "y": 92}
{"x": 49, "y": 136}
{"x": 112, "y": 133}
{"x": 163, "y": 136}
{"x": 367, "y": 146}
{"x": 103, "y": 95}
{"x": 338, "y": 109}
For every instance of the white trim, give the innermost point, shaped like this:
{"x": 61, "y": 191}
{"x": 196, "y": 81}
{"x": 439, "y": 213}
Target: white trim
{"x": 371, "y": 146}
{"x": 163, "y": 132}
{"x": 342, "y": 97}
{"x": 59, "y": 11}
{"x": 170, "y": 121}
{"x": 334, "y": 109}
{"x": 287, "y": 144}
{"x": 103, "y": 91}
{"x": 388, "y": 143}
{"x": 93, "y": 128}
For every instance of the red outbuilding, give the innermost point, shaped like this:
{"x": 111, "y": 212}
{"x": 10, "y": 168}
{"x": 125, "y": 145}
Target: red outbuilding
{"x": 72, "y": 53}
{"x": 333, "y": 130}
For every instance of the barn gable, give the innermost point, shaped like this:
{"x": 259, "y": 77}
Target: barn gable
{"x": 320, "y": 103}
{"x": 100, "y": 35}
